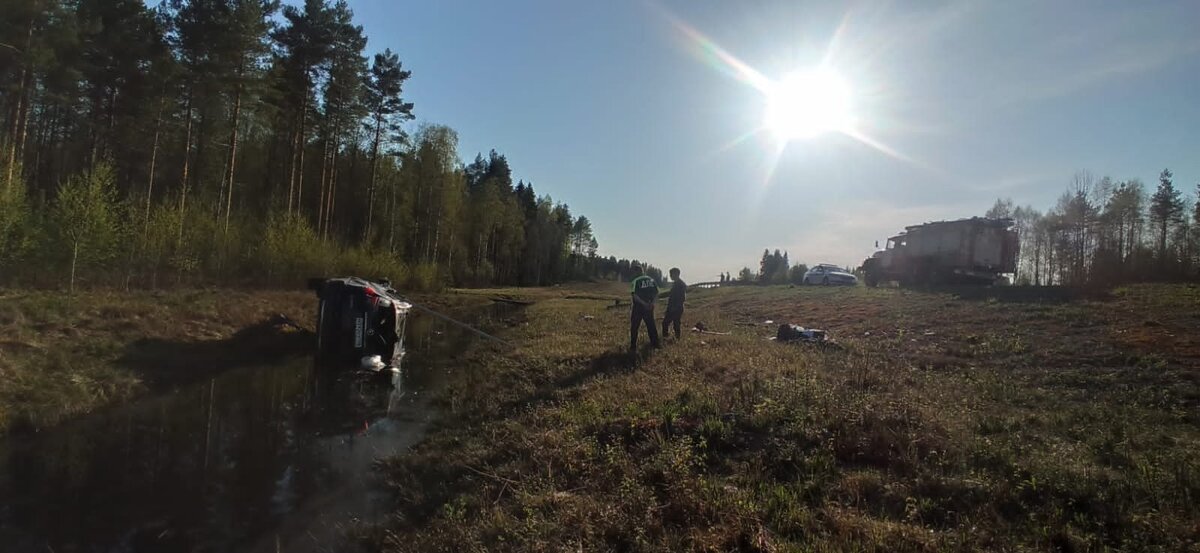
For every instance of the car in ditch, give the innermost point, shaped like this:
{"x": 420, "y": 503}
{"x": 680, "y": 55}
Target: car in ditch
{"x": 829, "y": 275}
{"x": 360, "y": 323}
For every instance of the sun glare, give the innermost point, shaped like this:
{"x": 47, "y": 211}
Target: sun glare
{"x": 807, "y": 104}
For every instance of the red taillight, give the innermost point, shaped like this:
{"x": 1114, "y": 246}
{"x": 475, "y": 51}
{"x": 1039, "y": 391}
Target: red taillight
{"x": 372, "y": 295}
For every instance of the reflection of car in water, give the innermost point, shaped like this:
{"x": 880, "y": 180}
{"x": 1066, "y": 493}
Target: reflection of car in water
{"x": 359, "y": 323}
{"x": 829, "y": 274}
{"x": 345, "y": 403}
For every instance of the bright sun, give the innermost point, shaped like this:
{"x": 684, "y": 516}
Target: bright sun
{"x": 807, "y": 104}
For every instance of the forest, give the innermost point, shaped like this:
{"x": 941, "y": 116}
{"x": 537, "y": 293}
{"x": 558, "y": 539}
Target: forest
{"x": 1103, "y": 232}
{"x": 244, "y": 142}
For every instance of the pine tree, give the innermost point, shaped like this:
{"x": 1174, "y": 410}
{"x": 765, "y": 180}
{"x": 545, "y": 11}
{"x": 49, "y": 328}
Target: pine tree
{"x": 1195, "y": 241}
{"x": 246, "y": 33}
{"x": 342, "y": 106}
{"x": 306, "y": 43}
{"x": 1166, "y": 209}
{"x": 387, "y": 111}
{"x": 765, "y": 266}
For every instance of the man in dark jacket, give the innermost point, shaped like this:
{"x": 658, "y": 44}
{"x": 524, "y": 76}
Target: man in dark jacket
{"x": 674, "y": 315}
{"x": 645, "y": 293}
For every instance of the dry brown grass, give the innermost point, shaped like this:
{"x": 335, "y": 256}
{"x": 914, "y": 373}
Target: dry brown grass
{"x": 944, "y": 423}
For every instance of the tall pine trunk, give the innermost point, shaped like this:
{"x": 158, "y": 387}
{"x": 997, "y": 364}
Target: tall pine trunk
{"x": 16, "y": 134}
{"x": 374, "y": 172}
{"x": 74, "y": 259}
{"x": 303, "y": 142}
{"x": 233, "y": 144}
{"x": 328, "y": 181}
{"x": 296, "y": 172}
{"x": 1162, "y": 243}
{"x": 39, "y": 146}
{"x": 322, "y": 186}
{"x": 154, "y": 157}
{"x": 392, "y": 218}
{"x": 332, "y": 193}
{"x": 183, "y": 179}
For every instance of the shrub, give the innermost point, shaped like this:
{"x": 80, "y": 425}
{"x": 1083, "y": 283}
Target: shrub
{"x": 292, "y": 251}
{"x": 84, "y": 230}
{"x": 369, "y": 264}
{"x": 424, "y": 277}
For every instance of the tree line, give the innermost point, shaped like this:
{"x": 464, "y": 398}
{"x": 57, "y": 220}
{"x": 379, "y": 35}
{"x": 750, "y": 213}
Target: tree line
{"x": 1102, "y": 231}
{"x": 773, "y": 268}
{"x": 242, "y": 141}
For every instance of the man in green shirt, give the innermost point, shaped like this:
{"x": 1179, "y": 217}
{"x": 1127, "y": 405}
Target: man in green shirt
{"x": 645, "y": 293}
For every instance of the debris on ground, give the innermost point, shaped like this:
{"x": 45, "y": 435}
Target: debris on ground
{"x": 587, "y": 318}
{"x": 793, "y": 333}
{"x": 702, "y": 329}
{"x": 283, "y": 323}
{"x": 796, "y": 334}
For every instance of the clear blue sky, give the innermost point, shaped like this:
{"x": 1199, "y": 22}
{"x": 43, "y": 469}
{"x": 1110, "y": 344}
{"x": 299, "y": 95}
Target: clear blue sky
{"x": 614, "y": 109}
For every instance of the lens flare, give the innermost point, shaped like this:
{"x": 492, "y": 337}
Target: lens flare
{"x": 807, "y": 104}
{"x": 802, "y": 106}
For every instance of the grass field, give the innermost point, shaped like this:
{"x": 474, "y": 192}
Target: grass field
{"x": 1004, "y": 420}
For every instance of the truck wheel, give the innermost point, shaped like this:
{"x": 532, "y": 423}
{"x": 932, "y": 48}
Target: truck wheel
{"x": 871, "y": 279}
